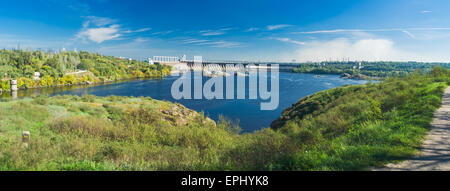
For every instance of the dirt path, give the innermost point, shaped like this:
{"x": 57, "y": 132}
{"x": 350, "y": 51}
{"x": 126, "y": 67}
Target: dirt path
{"x": 435, "y": 151}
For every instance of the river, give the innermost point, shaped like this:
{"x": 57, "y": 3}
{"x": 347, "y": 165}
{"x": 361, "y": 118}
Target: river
{"x": 246, "y": 112}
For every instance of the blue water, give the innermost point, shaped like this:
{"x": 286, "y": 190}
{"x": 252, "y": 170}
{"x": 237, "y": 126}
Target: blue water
{"x": 247, "y": 112}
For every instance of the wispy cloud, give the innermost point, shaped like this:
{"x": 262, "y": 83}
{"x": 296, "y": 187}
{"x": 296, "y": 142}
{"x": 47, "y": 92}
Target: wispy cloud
{"x": 97, "y": 21}
{"x": 251, "y": 29}
{"x": 214, "y": 32}
{"x": 141, "y": 40}
{"x": 426, "y": 11}
{"x": 408, "y": 33}
{"x": 163, "y": 32}
{"x": 193, "y": 41}
{"x": 100, "y": 29}
{"x": 211, "y": 43}
{"x": 370, "y": 30}
{"x": 139, "y": 30}
{"x": 329, "y": 31}
{"x": 288, "y": 40}
{"x": 275, "y": 27}
{"x": 222, "y": 44}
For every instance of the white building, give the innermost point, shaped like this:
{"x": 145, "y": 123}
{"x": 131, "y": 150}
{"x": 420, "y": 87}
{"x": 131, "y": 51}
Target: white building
{"x": 150, "y": 61}
{"x": 14, "y": 85}
{"x": 36, "y": 76}
{"x": 166, "y": 59}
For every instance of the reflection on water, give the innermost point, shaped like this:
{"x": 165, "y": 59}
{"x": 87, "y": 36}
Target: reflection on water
{"x": 293, "y": 86}
{"x": 53, "y": 90}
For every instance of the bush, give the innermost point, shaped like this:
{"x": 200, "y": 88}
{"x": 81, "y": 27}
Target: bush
{"x": 5, "y": 85}
{"x": 41, "y": 100}
{"x": 115, "y": 113}
{"x": 88, "y": 98}
{"x": 85, "y": 126}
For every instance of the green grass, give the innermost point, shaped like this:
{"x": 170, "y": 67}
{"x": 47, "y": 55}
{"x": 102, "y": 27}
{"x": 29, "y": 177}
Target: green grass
{"x": 355, "y": 127}
{"x": 72, "y": 133}
{"x": 348, "y": 128}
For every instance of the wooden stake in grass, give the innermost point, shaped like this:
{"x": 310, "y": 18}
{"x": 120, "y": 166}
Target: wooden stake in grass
{"x": 25, "y": 138}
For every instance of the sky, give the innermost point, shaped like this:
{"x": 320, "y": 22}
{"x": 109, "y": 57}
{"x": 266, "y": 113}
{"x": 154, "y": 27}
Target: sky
{"x": 246, "y": 30}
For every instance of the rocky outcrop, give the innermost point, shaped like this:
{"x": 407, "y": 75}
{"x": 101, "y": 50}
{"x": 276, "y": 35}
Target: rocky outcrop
{"x": 180, "y": 115}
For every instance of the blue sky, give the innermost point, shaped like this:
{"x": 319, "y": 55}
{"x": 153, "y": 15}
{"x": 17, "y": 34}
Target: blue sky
{"x": 256, "y": 30}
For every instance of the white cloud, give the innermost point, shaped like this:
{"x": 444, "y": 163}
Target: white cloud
{"x": 100, "y": 29}
{"x": 226, "y": 44}
{"x": 220, "y": 44}
{"x": 275, "y": 27}
{"x": 100, "y": 34}
{"x": 211, "y": 43}
{"x": 370, "y": 30}
{"x": 364, "y": 49}
{"x": 163, "y": 32}
{"x": 409, "y": 34}
{"x": 97, "y": 21}
{"x": 139, "y": 30}
{"x": 289, "y": 40}
{"x": 192, "y": 41}
{"x": 329, "y": 31}
{"x": 143, "y": 30}
{"x": 213, "y": 33}
{"x": 425, "y": 11}
{"x": 251, "y": 29}
{"x": 141, "y": 40}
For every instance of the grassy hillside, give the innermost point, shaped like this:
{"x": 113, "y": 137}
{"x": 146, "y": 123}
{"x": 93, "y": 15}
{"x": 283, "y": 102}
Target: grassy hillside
{"x": 113, "y": 133}
{"x": 68, "y": 68}
{"x": 354, "y": 127}
{"x": 347, "y": 128}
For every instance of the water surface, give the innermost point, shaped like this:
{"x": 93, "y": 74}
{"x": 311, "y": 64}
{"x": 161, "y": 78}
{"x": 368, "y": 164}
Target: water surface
{"x": 293, "y": 86}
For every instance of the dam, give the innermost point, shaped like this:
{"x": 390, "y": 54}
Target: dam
{"x": 198, "y": 64}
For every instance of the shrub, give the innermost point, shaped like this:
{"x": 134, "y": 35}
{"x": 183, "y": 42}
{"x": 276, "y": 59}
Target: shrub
{"x": 5, "y": 85}
{"x": 85, "y": 126}
{"x": 88, "y": 98}
{"x": 115, "y": 113}
{"x": 41, "y": 100}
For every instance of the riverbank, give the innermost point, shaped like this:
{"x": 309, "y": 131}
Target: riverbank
{"x": 37, "y": 69}
{"x": 368, "y": 70}
{"x": 95, "y": 82}
{"x": 60, "y": 88}
{"x": 359, "y": 77}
